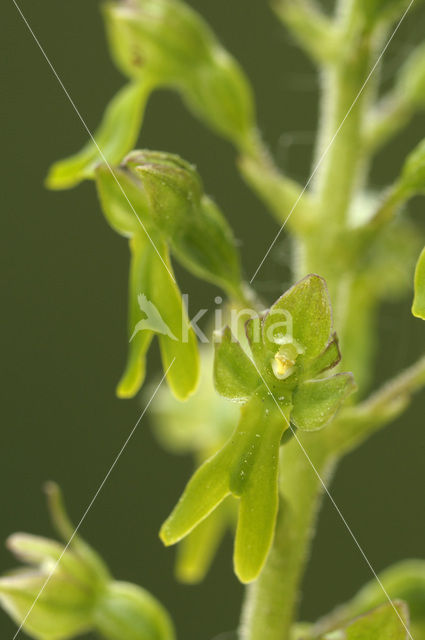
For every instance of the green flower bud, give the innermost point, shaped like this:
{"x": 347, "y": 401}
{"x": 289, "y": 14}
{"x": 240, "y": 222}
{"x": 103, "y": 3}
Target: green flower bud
{"x": 162, "y": 43}
{"x": 63, "y": 610}
{"x": 191, "y": 223}
{"x": 55, "y": 596}
{"x": 67, "y": 590}
{"x": 157, "y": 201}
{"x": 159, "y": 37}
{"x": 127, "y": 612}
{"x": 170, "y": 43}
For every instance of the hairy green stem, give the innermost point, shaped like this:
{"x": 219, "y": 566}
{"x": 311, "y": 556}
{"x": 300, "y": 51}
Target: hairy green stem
{"x": 271, "y": 600}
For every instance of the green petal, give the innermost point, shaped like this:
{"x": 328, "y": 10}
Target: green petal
{"x": 204, "y": 492}
{"x": 259, "y": 499}
{"x": 179, "y": 351}
{"x": 134, "y": 373}
{"x": 116, "y": 135}
{"x": 418, "y": 308}
{"x": 196, "y": 551}
{"x": 156, "y": 307}
{"x": 303, "y": 314}
{"x": 235, "y": 376}
{"x": 317, "y": 401}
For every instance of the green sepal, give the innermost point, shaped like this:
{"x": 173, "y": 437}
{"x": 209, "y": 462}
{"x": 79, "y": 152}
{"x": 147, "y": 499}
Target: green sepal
{"x": 196, "y": 551}
{"x": 124, "y": 204}
{"x": 125, "y": 611}
{"x": 389, "y": 622}
{"x": 302, "y": 315}
{"x": 116, "y": 135}
{"x": 328, "y": 359}
{"x": 235, "y": 376}
{"x": 315, "y": 402}
{"x": 247, "y": 468}
{"x": 418, "y": 308}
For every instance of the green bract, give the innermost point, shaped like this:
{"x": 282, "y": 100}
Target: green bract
{"x": 171, "y": 43}
{"x": 418, "y": 308}
{"x": 291, "y": 345}
{"x": 67, "y": 590}
{"x": 157, "y": 200}
{"x": 116, "y": 135}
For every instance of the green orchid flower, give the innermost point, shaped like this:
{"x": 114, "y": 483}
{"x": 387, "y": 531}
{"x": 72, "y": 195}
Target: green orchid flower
{"x": 157, "y": 201}
{"x": 162, "y": 43}
{"x": 67, "y": 590}
{"x": 279, "y": 382}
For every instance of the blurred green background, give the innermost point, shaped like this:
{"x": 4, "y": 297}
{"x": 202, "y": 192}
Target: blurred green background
{"x": 64, "y": 299}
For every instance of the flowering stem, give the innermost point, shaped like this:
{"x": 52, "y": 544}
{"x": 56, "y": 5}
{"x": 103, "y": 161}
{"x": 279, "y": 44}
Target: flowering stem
{"x": 270, "y": 605}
